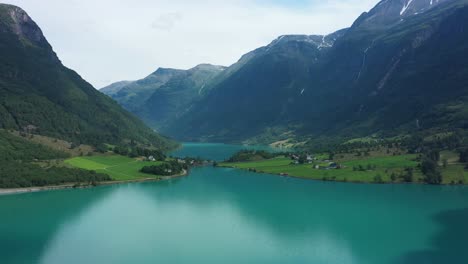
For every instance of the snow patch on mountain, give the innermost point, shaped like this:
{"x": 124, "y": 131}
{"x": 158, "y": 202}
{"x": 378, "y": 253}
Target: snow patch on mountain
{"x": 405, "y": 7}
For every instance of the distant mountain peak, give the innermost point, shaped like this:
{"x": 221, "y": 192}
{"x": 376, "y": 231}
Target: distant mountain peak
{"x": 207, "y": 66}
{"x": 163, "y": 71}
{"x": 387, "y": 12}
{"x": 320, "y": 41}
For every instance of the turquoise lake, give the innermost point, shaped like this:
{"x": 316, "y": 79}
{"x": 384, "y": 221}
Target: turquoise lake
{"x": 218, "y": 215}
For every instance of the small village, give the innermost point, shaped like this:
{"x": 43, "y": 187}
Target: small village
{"x": 311, "y": 159}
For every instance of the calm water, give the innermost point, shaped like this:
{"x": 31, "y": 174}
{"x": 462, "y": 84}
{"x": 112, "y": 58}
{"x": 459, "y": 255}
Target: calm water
{"x": 215, "y": 151}
{"x": 228, "y": 216}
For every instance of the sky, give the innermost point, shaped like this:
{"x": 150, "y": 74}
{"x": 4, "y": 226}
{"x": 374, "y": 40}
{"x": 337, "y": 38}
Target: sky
{"x": 113, "y": 40}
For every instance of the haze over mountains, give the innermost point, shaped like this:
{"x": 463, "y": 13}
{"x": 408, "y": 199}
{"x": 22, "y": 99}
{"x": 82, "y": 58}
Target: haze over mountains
{"x": 40, "y": 95}
{"x": 164, "y": 95}
{"x": 398, "y": 69}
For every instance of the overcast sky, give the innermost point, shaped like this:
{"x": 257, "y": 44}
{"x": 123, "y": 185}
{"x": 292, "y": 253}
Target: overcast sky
{"x": 112, "y": 40}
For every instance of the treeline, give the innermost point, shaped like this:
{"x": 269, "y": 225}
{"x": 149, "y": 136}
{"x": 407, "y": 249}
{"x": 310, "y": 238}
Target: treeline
{"x": 134, "y": 152}
{"x": 250, "y": 155}
{"x": 17, "y": 169}
{"x": 14, "y": 174}
{"x": 416, "y": 142}
{"x": 169, "y": 168}
{"x": 419, "y": 142}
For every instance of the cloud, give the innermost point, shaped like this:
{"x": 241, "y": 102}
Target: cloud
{"x": 166, "y": 21}
{"x": 125, "y": 40}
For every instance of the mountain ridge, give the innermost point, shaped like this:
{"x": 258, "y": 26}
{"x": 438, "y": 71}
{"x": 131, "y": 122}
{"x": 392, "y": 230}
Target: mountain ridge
{"x": 382, "y": 76}
{"x": 165, "y": 94}
{"x": 38, "y": 93}
{"x": 331, "y": 93}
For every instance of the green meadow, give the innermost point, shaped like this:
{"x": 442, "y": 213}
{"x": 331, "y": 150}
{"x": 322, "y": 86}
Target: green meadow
{"x": 119, "y": 168}
{"x": 374, "y": 167}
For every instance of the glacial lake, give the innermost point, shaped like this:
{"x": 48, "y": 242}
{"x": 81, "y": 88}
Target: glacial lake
{"x": 219, "y": 215}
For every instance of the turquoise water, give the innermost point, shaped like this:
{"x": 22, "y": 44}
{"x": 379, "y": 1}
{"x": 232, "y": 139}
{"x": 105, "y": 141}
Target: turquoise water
{"x": 216, "y": 151}
{"x": 221, "y": 215}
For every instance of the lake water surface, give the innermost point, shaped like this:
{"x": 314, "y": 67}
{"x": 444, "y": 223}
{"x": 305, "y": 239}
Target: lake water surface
{"x": 219, "y": 215}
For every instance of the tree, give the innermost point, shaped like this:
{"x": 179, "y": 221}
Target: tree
{"x": 378, "y": 179}
{"x": 464, "y": 156}
{"x": 445, "y": 163}
{"x": 408, "y": 175}
{"x": 430, "y": 169}
{"x": 433, "y": 155}
{"x": 302, "y": 159}
{"x": 102, "y": 148}
{"x": 428, "y": 166}
{"x": 433, "y": 177}
{"x": 393, "y": 177}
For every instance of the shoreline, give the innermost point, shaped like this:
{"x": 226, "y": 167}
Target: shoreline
{"x": 338, "y": 181}
{"x": 12, "y": 191}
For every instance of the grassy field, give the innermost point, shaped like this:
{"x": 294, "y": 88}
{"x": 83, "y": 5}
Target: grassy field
{"x": 381, "y": 167}
{"x": 119, "y": 168}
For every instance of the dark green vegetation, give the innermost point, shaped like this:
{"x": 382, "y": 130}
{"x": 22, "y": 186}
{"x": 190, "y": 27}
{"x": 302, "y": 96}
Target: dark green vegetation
{"x": 164, "y": 95}
{"x": 387, "y": 75}
{"x": 41, "y": 96}
{"x": 134, "y": 152}
{"x": 26, "y": 164}
{"x": 252, "y": 155}
{"x": 169, "y": 168}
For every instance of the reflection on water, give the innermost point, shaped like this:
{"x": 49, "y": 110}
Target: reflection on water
{"x": 143, "y": 225}
{"x": 221, "y": 215}
{"x": 449, "y": 243}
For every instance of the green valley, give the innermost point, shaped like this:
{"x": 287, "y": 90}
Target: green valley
{"x": 119, "y": 168}
{"x": 24, "y": 163}
{"x": 378, "y": 169}
{"x": 49, "y": 113}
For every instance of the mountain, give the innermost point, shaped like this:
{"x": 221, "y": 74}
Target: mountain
{"x": 40, "y": 95}
{"x": 398, "y": 69}
{"x": 115, "y": 87}
{"x": 166, "y": 94}
{"x": 131, "y": 95}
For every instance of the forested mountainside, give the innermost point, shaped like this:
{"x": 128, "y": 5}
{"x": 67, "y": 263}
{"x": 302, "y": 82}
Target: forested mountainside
{"x": 398, "y": 69}
{"x": 41, "y": 96}
{"x": 166, "y": 94}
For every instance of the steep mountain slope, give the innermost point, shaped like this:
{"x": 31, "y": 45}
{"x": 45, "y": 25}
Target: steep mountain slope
{"x": 398, "y": 69}
{"x": 257, "y": 92}
{"x": 166, "y": 94}
{"x": 131, "y": 95}
{"x": 39, "y": 94}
